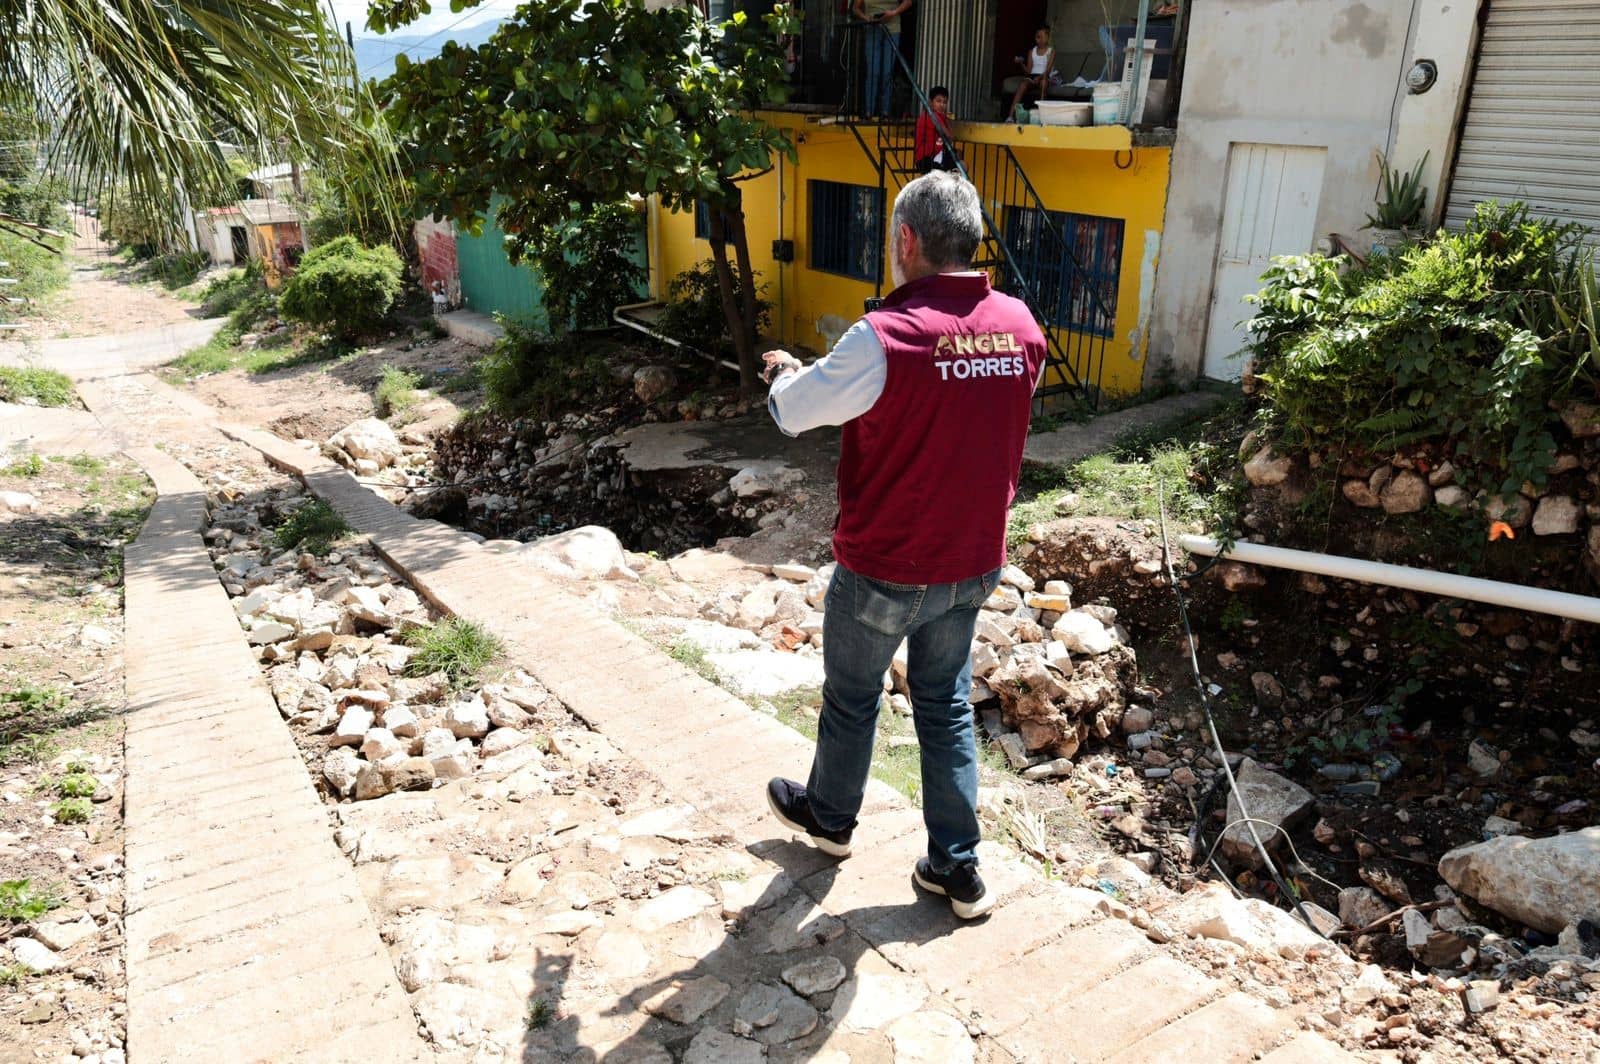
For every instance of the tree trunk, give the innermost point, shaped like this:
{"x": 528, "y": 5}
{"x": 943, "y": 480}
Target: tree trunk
{"x": 748, "y": 313}
{"x": 732, "y": 312}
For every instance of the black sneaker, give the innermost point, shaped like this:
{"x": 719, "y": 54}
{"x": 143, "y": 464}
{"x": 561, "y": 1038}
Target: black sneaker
{"x": 962, "y": 885}
{"x": 787, "y": 800}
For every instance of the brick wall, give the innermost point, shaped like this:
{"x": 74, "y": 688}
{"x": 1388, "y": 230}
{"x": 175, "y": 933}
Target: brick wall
{"x": 436, "y": 248}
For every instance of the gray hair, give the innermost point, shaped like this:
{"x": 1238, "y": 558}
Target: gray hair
{"x": 942, "y": 209}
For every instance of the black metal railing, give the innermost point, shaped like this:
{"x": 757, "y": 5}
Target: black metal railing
{"x": 1077, "y": 317}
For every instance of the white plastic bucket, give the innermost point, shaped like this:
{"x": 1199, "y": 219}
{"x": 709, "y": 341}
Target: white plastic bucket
{"x": 1108, "y": 104}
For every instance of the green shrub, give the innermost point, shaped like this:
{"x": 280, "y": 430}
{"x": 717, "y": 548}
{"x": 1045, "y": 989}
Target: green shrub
{"x": 45, "y": 386}
{"x": 37, "y": 271}
{"x": 693, "y": 313}
{"x": 314, "y": 526}
{"x": 531, "y": 372}
{"x": 223, "y": 294}
{"x": 30, "y": 466}
{"x": 396, "y": 392}
{"x": 343, "y": 287}
{"x": 77, "y": 785}
{"x": 176, "y": 269}
{"x": 1458, "y": 340}
{"x": 588, "y": 265}
{"x": 455, "y": 646}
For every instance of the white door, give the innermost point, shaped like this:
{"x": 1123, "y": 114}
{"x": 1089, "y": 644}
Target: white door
{"x": 1271, "y": 209}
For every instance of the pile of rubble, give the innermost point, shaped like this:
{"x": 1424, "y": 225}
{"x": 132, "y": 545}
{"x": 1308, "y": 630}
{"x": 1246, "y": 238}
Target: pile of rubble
{"x": 329, "y": 633}
{"x": 1046, "y": 675}
{"x": 393, "y": 465}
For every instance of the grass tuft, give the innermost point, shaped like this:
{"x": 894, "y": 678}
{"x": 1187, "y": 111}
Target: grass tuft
{"x": 21, "y": 901}
{"x": 30, "y": 466}
{"x": 313, "y": 527}
{"x": 44, "y": 386}
{"x": 396, "y": 392}
{"x": 459, "y": 648}
{"x": 71, "y": 811}
{"x": 540, "y": 1014}
{"x": 77, "y": 785}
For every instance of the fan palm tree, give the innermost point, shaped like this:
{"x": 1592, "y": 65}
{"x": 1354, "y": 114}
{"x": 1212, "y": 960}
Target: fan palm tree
{"x": 149, "y": 96}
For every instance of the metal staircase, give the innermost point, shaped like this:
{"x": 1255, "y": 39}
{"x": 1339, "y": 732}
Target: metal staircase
{"x": 1024, "y": 250}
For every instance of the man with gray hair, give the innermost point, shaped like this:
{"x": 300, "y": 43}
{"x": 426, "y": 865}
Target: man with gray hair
{"x": 934, "y": 390}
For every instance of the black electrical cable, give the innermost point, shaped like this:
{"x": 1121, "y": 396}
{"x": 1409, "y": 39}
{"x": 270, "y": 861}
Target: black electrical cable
{"x": 1211, "y": 723}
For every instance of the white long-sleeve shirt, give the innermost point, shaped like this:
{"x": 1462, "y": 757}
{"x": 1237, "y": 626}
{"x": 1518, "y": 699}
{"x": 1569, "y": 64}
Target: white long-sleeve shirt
{"x": 832, "y": 390}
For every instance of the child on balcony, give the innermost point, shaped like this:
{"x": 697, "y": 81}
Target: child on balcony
{"x": 1038, "y": 67}
{"x": 931, "y": 153}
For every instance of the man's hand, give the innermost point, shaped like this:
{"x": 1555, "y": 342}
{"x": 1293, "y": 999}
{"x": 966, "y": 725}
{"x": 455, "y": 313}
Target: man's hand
{"x": 778, "y": 363}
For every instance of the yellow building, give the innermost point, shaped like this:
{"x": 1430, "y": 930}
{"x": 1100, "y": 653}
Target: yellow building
{"x": 1074, "y": 216}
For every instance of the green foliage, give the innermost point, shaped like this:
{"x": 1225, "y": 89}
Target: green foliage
{"x": 1456, "y": 340}
{"x": 540, "y": 1014}
{"x": 21, "y": 901}
{"x": 175, "y": 269}
{"x": 314, "y": 526}
{"x": 459, "y": 648}
{"x": 529, "y": 372}
{"x": 587, "y": 102}
{"x": 45, "y": 386}
{"x": 38, "y": 272}
{"x": 30, "y": 466}
{"x": 343, "y": 287}
{"x": 396, "y": 392}
{"x": 72, "y": 811}
{"x": 77, "y": 785}
{"x": 1401, "y": 197}
{"x": 223, "y": 295}
{"x": 693, "y": 313}
{"x": 588, "y": 264}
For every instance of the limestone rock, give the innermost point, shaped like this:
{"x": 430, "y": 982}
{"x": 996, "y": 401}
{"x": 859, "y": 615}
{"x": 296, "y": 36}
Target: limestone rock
{"x": 340, "y": 768}
{"x": 1261, "y": 929}
{"x": 652, "y": 383}
{"x": 1452, "y": 496}
{"x": 34, "y": 955}
{"x": 467, "y": 719}
{"x": 816, "y": 976}
{"x": 380, "y": 743}
{"x": 801, "y": 926}
{"x": 686, "y": 1000}
{"x": 1017, "y": 579}
{"x": 1545, "y": 883}
{"x": 411, "y": 774}
{"x": 1266, "y": 469}
{"x": 1514, "y": 510}
{"x": 1269, "y": 692}
{"x": 1269, "y": 797}
{"x": 1083, "y": 634}
{"x": 1557, "y": 515}
{"x": 371, "y": 782}
{"x": 62, "y": 935}
{"x": 1361, "y": 907}
{"x": 930, "y": 1038}
{"x": 773, "y": 1015}
{"x": 502, "y": 739}
{"x": 766, "y": 673}
{"x": 793, "y": 572}
{"x": 675, "y": 906}
{"x": 753, "y": 482}
{"x": 1360, "y": 494}
{"x": 1406, "y": 493}
{"x": 1581, "y": 418}
{"x": 18, "y": 502}
{"x": 370, "y": 439}
{"x": 713, "y": 1046}
{"x": 589, "y": 552}
{"x": 401, "y": 721}
{"x": 353, "y": 727}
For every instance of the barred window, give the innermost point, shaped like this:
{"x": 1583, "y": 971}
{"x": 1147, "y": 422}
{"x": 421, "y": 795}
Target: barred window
{"x": 1072, "y": 263}
{"x": 847, "y": 229}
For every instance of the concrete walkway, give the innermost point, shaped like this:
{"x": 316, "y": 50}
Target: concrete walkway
{"x": 247, "y": 934}
{"x": 1075, "y": 442}
{"x": 1050, "y": 976}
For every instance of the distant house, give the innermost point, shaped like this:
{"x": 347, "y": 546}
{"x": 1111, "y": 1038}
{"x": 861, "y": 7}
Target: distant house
{"x": 269, "y": 230}
{"x": 277, "y": 181}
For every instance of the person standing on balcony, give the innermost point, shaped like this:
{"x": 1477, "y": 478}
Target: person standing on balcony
{"x": 930, "y": 150}
{"x": 883, "y": 50}
{"x": 920, "y": 536}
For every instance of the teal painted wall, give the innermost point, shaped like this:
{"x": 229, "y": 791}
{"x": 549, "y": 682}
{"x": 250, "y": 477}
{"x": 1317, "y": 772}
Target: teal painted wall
{"x": 491, "y": 285}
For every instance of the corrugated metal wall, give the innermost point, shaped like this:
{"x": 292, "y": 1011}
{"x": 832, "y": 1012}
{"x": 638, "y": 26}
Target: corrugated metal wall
{"x": 955, "y": 48}
{"x": 1532, "y": 129}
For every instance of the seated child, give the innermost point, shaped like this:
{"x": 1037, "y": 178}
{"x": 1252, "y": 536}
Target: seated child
{"x": 1038, "y": 67}
{"x": 930, "y": 152}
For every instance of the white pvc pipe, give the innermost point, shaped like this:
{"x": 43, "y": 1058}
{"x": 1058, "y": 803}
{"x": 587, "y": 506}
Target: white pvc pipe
{"x": 1448, "y": 585}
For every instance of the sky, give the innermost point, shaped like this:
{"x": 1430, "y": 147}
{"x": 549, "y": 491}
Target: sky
{"x": 355, "y": 12}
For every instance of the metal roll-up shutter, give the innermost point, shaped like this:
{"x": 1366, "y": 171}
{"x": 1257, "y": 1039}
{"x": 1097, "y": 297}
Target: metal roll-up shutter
{"x": 1532, "y": 129}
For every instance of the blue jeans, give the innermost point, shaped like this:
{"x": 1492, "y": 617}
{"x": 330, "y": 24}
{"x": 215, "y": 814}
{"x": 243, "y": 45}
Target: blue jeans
{"x": 864, "y": 623}
{"x": 882, "y": 47}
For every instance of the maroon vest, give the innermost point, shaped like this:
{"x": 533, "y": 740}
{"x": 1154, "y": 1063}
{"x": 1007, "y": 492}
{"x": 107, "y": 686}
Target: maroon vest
{"x": 926, "y": 477}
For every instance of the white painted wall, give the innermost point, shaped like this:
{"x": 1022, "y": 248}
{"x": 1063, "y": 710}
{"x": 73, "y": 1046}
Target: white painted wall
{"x": 1296, "y": 73}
